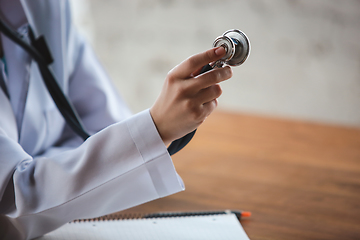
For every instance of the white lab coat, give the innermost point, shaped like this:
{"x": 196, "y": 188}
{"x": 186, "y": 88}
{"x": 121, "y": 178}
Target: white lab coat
{"x": 48, "y": 176}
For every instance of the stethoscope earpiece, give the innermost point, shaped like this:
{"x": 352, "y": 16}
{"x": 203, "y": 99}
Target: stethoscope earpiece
{"x": 237, "y": 46}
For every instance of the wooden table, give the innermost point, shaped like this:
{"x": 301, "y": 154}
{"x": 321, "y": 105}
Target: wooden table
{"x": 300, "y": 180}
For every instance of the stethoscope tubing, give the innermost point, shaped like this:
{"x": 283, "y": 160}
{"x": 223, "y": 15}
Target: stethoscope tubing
{"x": 61, "y": 101}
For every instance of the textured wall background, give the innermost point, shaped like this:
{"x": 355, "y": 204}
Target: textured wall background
{"x": 304, "y": 64}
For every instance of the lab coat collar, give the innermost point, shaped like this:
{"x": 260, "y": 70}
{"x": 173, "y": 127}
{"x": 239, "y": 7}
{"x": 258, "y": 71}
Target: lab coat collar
{"x": 52, "y": 29}
{"x": 34, "y": 11}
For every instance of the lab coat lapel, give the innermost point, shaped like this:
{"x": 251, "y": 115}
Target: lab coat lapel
{"x": 7, "y": 119}
{"x": 34, "y": 127}
{"x": 18, "y": 77}
{"x": 40, "y": 110}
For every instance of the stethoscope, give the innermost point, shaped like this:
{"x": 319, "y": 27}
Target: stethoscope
{"x": 235, "y": 42}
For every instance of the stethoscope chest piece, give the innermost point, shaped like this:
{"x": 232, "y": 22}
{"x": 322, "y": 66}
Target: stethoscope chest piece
{"x": 237, "y": 46}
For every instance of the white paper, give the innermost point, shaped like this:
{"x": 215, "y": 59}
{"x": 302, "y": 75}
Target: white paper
{"x": 211, "y": 227}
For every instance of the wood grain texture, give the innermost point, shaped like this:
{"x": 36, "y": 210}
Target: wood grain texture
{"x": 300, "y": 180}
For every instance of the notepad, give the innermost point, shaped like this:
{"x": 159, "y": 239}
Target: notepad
{"x": 211, "y": 227}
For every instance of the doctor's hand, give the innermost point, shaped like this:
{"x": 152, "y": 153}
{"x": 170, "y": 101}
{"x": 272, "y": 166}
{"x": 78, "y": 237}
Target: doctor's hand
{"x": 188, "y": 98}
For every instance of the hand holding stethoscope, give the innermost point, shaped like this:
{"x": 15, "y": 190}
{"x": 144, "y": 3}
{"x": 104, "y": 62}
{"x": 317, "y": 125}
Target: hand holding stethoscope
{"x": 199, "y": 89}
{"x": 188, "y": 97}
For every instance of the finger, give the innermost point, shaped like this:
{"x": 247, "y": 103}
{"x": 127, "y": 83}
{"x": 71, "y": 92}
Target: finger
{"x": 194, "y": 63}
{"x": 208, "y": 94}
{"x": 212, "y": 77}
{"x": 202, "y": 70}
{"x": 209, "y": 107}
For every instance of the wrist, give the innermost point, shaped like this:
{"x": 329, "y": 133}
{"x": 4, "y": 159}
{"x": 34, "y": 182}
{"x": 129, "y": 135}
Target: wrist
{"x": 157, "y": 124}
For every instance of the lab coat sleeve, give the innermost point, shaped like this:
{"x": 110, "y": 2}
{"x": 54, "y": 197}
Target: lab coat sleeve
{"x": 113, "y": 170}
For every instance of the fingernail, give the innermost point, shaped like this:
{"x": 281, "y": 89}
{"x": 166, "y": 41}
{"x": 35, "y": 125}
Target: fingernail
{"x": 220, "y": 51}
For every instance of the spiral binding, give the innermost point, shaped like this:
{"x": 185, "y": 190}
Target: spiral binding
{"x": 111, "y": 217}
{"x": 129, "y": 216}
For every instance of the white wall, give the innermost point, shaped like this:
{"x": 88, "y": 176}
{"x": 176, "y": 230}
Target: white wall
{"x": 304, "y": 64}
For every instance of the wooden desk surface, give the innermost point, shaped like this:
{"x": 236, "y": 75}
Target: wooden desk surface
{"x": 299, "y": 180}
